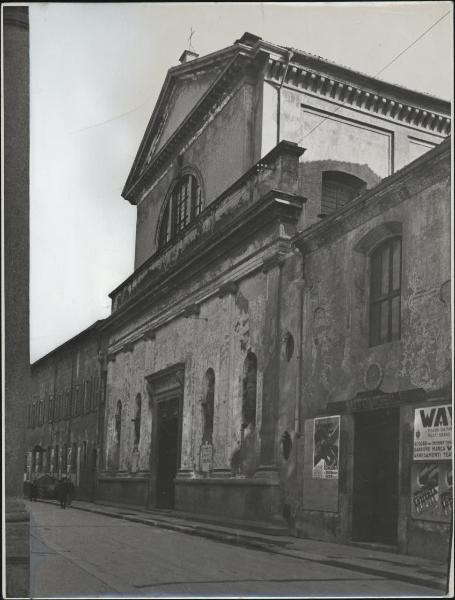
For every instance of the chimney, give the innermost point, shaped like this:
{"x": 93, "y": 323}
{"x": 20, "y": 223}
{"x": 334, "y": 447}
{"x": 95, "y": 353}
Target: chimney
{"x": 188, "y": 55}
{"x": 248, "y": 39}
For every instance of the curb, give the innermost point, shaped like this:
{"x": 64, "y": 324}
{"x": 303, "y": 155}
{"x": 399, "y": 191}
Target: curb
{"x": 264, "y": 546}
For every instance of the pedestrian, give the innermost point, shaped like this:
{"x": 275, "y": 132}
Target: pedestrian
{"x": 33, "y": 490}
{"x": 62, "y": 493}
{"x": 70, "y": 490}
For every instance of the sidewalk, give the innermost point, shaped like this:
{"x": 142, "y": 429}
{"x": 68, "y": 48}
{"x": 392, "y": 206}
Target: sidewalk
{"x": 390, "y": 565}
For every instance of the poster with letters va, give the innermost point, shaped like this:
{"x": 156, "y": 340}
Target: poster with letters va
{"x": 433, "y": 433}
{"x": 326, "y": 442}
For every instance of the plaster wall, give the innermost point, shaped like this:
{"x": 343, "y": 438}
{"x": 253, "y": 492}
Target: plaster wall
{"x": 186, "y": 94}
{"x": 336, "y": 351}
{"x": 61, "y": 374}
{"x": 219, "y": 154}
{"x": 219, "y": 339}
{"x": 337, "y": 137}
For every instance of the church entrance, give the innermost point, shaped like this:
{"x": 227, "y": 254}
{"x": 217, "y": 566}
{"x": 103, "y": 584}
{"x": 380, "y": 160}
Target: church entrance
{"x": 168, "y": 430}
{"x": 165, "y": 390}
{"x": 376, "y": 454}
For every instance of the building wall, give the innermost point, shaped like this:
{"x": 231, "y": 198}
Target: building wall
{"x": 63, "y": 412}
{"x": 336, "y": 352}
{"x": 220, "y": 153}
{"x": 338, "y": 137}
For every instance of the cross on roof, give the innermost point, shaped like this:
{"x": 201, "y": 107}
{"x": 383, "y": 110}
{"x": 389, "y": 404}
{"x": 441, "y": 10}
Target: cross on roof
{"x": 190, "y": 37}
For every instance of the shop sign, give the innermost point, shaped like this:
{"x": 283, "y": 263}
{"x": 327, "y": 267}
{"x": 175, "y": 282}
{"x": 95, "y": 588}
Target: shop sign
{"x": 206, "y": 457}
{"x": 432, "y": 491}
{"x": 326, "y": 443}
{"x": 433, "y": 433}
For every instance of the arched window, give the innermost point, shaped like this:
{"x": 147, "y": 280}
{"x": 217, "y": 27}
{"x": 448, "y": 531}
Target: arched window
{"x": 74, "y": 458}
{"x": 49, "y": 458}
{"x": 84, "y": 454}
{"x": 65, "y": 458}
{"x": 249, "y": 390}
{"x": 385, "y": 292}
{"x": 208, "y": 400}
{"x": 118, "y": 421}
{"x": 339, "y": 188}
{"x": 39, "y": 460}
{"x": 137, "y": 421}
{"x": 183, "y": 206}
{"x": 57, "y": 458}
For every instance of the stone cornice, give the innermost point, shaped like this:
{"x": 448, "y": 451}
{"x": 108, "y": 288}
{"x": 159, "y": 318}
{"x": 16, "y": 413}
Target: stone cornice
{"x": 274, "y": 207}
{"x": 371, "y": 101}
{"x": 285, "y": 151}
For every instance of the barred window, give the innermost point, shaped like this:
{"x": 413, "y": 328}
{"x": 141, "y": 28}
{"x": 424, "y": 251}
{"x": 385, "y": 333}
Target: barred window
{"x": 183, "y": 206}
{"x": 339, "y": 188}
{"x": 385, "y": 292}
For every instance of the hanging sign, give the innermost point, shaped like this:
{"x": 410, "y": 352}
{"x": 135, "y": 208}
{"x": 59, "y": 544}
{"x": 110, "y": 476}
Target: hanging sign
{"x": 433, "y": 433}
{"x": 206, "y": 457}
{"x": 326, "y": 442}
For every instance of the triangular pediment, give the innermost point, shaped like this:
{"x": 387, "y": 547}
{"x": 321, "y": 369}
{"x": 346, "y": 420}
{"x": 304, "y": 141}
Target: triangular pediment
{"x": 183, "y": 96}
{"x": 184, "y": 87}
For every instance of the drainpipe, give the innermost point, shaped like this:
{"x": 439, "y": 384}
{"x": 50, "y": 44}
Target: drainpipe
{"x": 300, "y": 284}
{"x": 278, "y": 117}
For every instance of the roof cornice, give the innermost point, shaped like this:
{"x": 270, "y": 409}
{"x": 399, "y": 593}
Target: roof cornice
{"x": 351, "y": 89}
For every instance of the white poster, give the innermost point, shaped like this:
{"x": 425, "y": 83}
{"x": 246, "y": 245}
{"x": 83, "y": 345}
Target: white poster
{"x": 433, "y": 433}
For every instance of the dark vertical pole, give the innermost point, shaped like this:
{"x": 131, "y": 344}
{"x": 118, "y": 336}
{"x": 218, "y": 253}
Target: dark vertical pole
{"x": 16, "y": 290}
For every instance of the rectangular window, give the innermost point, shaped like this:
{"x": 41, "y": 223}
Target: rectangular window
{"x": 385, "y": 293}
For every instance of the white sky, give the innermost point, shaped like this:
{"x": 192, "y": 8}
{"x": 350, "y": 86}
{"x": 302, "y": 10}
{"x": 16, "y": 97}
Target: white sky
{"x": 96, "y": 72}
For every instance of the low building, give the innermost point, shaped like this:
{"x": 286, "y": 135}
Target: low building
{"x": 64, "y": 412}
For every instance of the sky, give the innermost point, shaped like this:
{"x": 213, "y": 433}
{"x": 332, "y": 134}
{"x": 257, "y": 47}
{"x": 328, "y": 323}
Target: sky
{"x": 96, "y": 72}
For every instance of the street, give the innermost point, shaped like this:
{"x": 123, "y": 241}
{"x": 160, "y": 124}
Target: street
{"x": 76, "y": 553}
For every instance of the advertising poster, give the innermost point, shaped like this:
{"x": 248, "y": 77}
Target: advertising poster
{"x": 446, "y": 489}
{"x": 433, "y": 433}
{"x": 326, "y": 442}
{"x": 432, "y": 492}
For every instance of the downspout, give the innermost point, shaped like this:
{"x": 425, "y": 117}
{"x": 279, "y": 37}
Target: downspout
{"x": 300, "y": 284}
{"x": 278, "y": 117}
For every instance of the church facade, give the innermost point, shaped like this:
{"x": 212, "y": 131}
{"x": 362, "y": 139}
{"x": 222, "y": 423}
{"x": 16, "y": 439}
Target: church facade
{"x": 284, "y": 336}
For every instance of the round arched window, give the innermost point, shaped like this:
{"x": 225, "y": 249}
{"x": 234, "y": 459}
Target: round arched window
{"x": 182, "y": 207}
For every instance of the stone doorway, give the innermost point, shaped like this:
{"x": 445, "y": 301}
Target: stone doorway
{"x": 168, "y": 443}
{"x": 165, "y": 390}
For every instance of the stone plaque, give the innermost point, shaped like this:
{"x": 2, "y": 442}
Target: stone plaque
{"x": 206, "y": 457}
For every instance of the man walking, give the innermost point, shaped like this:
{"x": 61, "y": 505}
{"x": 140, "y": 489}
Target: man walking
{"x": 70, "y": 490}
{"x": 62, "y": 492}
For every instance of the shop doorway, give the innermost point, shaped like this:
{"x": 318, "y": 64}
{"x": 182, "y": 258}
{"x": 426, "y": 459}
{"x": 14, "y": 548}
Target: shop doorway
{"x": 375, "y": 493}
{"x": 168, "y": 451}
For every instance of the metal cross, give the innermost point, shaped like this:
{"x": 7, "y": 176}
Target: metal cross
{"x": 190, "y": 45}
